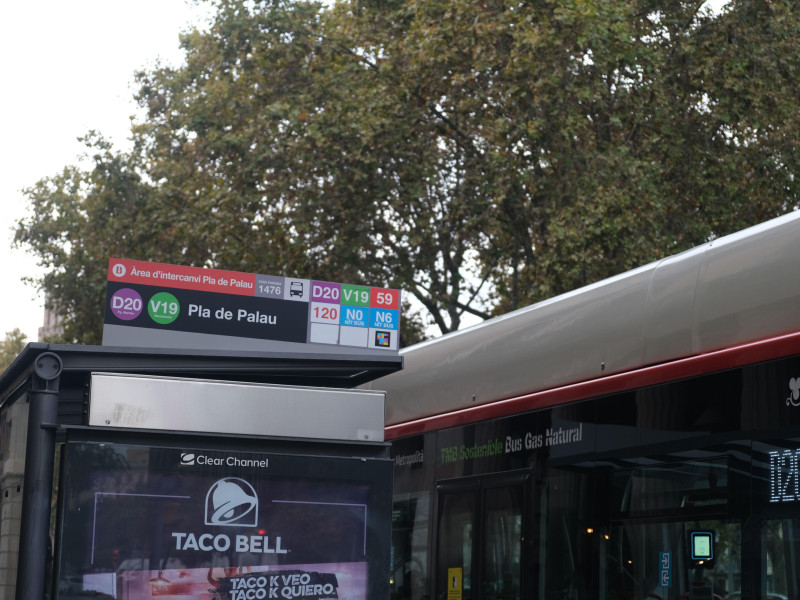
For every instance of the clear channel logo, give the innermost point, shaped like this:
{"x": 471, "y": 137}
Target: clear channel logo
{"x": 189, "y": 459}
{"x": 232, "y": 501}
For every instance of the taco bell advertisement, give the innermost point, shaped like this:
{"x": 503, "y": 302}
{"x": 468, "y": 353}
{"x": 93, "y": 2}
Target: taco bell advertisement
{"x": 144, "y": 522}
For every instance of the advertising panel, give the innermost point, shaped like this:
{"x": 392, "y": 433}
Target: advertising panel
{"x": 141, "y": 522}
{"x": 153, "y": 304}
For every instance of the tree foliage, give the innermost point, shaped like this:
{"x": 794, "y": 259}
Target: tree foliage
{"x": 78, "y": 219}
{"x": 480, "y": 154}
{"x": 11, "y": 345}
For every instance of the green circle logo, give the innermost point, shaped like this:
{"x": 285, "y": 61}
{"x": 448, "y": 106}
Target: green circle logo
{"x": 163, "y": 308}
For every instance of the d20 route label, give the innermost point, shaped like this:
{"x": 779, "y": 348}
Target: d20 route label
{"x": 322, "y": 291}
{"x": 126, "y": 304}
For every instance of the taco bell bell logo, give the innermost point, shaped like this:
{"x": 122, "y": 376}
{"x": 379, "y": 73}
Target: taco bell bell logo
{"x": 231, "y": 501}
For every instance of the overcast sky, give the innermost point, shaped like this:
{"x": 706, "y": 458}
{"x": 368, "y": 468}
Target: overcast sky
{"x": 67, "y": 68}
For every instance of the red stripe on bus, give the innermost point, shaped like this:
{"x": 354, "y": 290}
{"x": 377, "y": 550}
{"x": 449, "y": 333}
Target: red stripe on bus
{"x": 683, "y": 368}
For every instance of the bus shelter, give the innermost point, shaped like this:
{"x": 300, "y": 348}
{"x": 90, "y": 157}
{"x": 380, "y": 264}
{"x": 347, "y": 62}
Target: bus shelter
{"x": 135, "y": 473}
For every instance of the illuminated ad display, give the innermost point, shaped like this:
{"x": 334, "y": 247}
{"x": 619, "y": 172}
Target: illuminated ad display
{"x": 195, "y": 307}
{"x": 145, "y": 522}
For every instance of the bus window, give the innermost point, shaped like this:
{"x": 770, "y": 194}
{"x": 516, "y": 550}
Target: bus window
{"x": 565, "y": 549}
{"x": 780, "y": 554}
{"x": 454, "y": 545}
{"x": 409, "y": 576}
{"x": 502, "y": 543}
{"x": 479, "y": 540}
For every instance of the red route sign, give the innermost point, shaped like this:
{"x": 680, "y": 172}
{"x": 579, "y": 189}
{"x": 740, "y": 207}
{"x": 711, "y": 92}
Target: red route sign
{"x": 176, "y": 276}
{"x": 383, "y": 298}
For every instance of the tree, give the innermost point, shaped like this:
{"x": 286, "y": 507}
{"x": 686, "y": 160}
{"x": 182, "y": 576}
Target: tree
{"x": 79, "y": 219}
{"x": 610, "y": 134}
{"x": 10, "y": 346}
{"x": 285, "y": 117}
{"x": 480, "y": 154}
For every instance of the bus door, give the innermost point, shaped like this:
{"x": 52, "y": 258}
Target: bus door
{"x": 775, "y": 544}
{"x": 696, "y": 559}
{"x": 479, "y": 539}
{"x": 779, "y": 557}
{"x": 674, "y": 534}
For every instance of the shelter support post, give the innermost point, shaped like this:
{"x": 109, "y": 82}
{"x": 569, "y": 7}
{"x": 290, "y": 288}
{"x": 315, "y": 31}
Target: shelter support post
{"x": 38, "y": 478}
